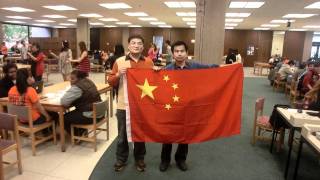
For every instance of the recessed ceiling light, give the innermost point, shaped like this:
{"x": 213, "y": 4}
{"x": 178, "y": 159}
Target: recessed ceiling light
{"x": 18, "y": 17}
{"x": 44, "y": 21}
{"x": 165, "y": 26}
{"x": 96, "y": 23}
{"x": 279, "y": 32}
{"x": 281, "y": 21}
{"x": 297, "y": 29}
{"x": 316, "y": 33}
{"x": 238, "y": 14}
{"x": 109, "y": 19}
{"x": 136, "y": 14}
{"x": 192, "y": 26}
{"x": 235, "y": 4}
{"x": 148, "y": 19}
{"x": 123, "y": 23}
{"x": 60, "y": 8}
{"x": 312, "y": 26}
{"x": 134, "y": 26}
{"x": 298, "y": 15}
{"x": 93, "y": 15}
{"x": 315, "y": 5}
{"x": 109, "y": 26}
{"x": 18, "y": 9}
{"x": 191, "y": 23}
{"x": 72, "y": 20}
{"x": 59, "y": 27}
{"x": 16, "y": 22}
{"x": 231, "y": 24}
{"x": 260, "y": 28}
{"x": 270, "y": 25}
{"x": 66, "y": 24}
{"x": 233, "y": 20}
{"x": 157, "y": 23}
{"x": 189, "y": 19}
{"x": 40, "y": 24}
{"x": 54, "y": 16}
{"x": 192, "y": 14}
{"x": 228, "y": 27}
{"x": 185, "y": 4}
{"x": 115, "y": 5}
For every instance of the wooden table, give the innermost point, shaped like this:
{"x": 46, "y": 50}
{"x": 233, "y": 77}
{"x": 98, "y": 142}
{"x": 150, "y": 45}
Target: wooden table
{"x": 51, "y": 102}
{"x": 13, "y": 59}
{"x": 20, "y": 66}
{"x": 259, "y": 66}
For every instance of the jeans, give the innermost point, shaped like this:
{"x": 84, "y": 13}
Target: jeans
{"x": 122, "y": 151}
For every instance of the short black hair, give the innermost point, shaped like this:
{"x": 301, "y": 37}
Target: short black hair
{"x": 291, "y": 62}
{"x": 136, "y": 36}
{"x": 179, "y": 43}
{"x": 79, "y": 74}
{"x": 22, "y": 76}
{"x": 7, "y": 67}
{"x": 168, "y": 42}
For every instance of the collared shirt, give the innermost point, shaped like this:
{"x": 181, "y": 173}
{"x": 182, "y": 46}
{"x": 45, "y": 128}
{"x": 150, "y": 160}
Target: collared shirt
{"x": 190, "y": 65}
{"x": 128, "y": 57}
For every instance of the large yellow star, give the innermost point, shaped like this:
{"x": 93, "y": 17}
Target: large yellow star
{"x": 174, "y": 86}
{"x": 175, "y": 98}
{"x": 167, "y": 106}
{"x": 147, "y": 89}
{"x": 166, "y": 78}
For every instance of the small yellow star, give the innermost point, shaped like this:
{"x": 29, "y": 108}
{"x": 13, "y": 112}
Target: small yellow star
{"x": 174, "y": 86}
{"x": 168, "y": 106}
{"x": 147, "y": 89}
{"x": 166, "y": 78}
{"x": 175, "y": 98}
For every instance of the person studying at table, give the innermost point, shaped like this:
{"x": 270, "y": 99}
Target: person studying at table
{"x": 82, "y": 94}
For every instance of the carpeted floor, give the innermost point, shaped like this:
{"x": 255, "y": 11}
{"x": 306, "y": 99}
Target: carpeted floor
{"x": 222, "y": 159}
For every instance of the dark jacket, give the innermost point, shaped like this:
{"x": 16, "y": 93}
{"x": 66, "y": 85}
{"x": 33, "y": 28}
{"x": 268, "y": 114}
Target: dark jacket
{"x": 5, "y": 85}
{"x": 89, "y": 95}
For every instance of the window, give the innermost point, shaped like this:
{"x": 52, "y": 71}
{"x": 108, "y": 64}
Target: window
{"x": 14, "y": 33}
{"x": 40, "y": 32}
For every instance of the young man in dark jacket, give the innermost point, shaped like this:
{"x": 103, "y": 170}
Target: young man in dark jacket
{"x": 10, "y": 75}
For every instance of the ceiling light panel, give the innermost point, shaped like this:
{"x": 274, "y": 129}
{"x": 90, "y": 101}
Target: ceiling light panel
{"x": 270, "y": 25}
{"x": 311, "y": 26}
{"x": 93, "y": 15}
{"x": 60, "y": 8}
{"x": 259, "y": 28}
{"x": 115, "y": 5}
{"x": 298, "y": 15}
{"x": 123, "y": 23}
{"x": 54, "y": 16}
{"x": 315, "y": 5}
{"x": 18, "y": 17}
{"x": 157, "y": 23}
{"x": 148, "y": 19}
{"x": 40, "y": 24}
{"x": 109, "y": 19}
{"x": 141, "y": 14}
{"x": 72, "y": 20}
{"x": 16, "y": 22}
{"x": 189, "y": 19}
{"x": 96, "y": 23}
{"x": 66, "y": 24}
{"x": 18, "y": 9}
{"x": 228, "y": 27}
{"x": 58, "y": 27}
{"x": 234, "y": 20}
{"x": 185, "y": 4}
{"x": 165, "y": 26}
{"x": 44, "y": 21}
{"x": 297, "y": 29}
{"x": 110, "y": 26}
{"x": 134, "y": 26}
{"x": 248, "y": 5}
{"x": 238, "y": 14}
{"x": 186, "y": 14}
{"x": 231, "y": 24}
{"x": 191, "y": 23}
{"x": 281, "y": 21}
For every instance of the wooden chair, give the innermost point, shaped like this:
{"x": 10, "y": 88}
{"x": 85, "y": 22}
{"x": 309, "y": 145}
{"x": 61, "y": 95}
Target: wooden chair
{"x": 278, "y": 83}
{"x": 24, "y": 112}
{"x": 294, "y": 92}
{"x": 9, "y": 122}
{"x": 100, "y": 110}
{"x": 261, "y": 123}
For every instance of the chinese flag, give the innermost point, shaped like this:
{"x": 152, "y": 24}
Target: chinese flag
{"x": 183, "y": 106}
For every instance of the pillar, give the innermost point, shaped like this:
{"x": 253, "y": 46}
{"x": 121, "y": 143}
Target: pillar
{"x": 83, "y": 32}
{"x": 307, "y": 46}
{"x": 125, "y": 36}
{"x": 210, "y": 30}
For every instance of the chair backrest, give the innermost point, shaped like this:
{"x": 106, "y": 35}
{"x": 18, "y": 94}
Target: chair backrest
{"x": 100, "y": 109}
{"x": 259, "y": 107}
{"x": 7, "y": 121}
{"x": 278, "y": 76}
{"x": 23, "y": 113}
{"x": 293, "y": 85}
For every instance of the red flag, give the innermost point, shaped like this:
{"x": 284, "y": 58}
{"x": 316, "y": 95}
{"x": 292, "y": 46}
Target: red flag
{"x": 184, "y": 106}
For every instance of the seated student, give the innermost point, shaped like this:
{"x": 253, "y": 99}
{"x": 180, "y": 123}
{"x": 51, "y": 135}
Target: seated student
{"x": 312, "y": 98}
{"x": 82, "y": 94}
{"x": 23, "y": 94}
{"x": 286, "y": 69}
{"x": 310, "y": 77}
{"x": 10, "y": 75}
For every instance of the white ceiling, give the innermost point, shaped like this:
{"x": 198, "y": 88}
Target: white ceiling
{"x": 272, "y": 9}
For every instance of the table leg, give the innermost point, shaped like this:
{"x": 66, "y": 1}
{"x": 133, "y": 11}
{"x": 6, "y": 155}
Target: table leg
{"x": 1, "y": 167}
{"x": 298, "y": 160}
{"x": 272, "y": 140}
{"x": 289, "y": 153}
{"x": 62, "y": 136}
